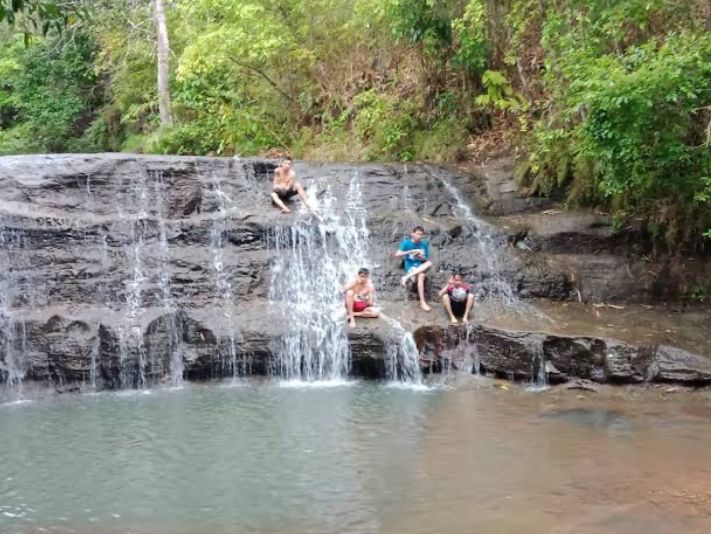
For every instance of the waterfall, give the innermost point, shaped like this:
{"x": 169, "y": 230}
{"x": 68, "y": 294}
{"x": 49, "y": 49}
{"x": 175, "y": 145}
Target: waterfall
{"x": 97, "y": 241}
{"x": 402, "y": 362}
{"x": 130, "y": 331}
{"x": 13, "y": 336}
{"x": 315, "y": 259}
{"x": 223, "y": 283}
{"x": 474, "y": 351}
{"x": 539, "y": 376}
{"x": 486, "y": 247}
{"x": 175, "y": 356}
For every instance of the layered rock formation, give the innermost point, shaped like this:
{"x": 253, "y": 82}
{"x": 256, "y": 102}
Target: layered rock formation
{"x": 125, "y": 270}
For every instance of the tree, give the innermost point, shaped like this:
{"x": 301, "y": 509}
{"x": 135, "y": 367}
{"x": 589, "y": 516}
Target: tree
{"x": 42, "y": 15}
{"x": 163, "y": 76}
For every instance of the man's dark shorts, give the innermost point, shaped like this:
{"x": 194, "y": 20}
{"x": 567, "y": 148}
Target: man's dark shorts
{"x": 284, "y": 193}
{"x": 458, "y": 308}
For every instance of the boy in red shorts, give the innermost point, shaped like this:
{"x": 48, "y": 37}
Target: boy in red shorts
{"x": 359, "y": 297}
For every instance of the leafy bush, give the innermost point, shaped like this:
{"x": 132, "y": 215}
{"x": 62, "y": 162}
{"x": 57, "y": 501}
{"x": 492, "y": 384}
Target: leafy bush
{"x": 625, "y": 129}
{"x": 183, "y": 139}
{"x": 46, "y": 97}
{"x": 444, "y": 141}
{"x": 385, "y": 125}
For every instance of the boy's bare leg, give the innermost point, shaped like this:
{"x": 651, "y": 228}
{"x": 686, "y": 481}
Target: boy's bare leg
{"x": 448, "y": 306}
{"x": 302, "y": 196}
{"x": 414, "y": 272}
{"x": 468, "y": 309}
{"x": 421, "y": 291}
{"x": 280, "y": 203}
{"x": 368, "y": 313}
{"x": 349, "y": 306}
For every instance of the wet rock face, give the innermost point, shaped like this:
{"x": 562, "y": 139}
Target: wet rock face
{"x": 521, "y": 354}
{"x": 110, "y": 264}
{"x": 602, "y": 262}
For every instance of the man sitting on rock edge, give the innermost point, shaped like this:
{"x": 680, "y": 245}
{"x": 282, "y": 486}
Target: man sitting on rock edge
{"x": 286, "y": 186}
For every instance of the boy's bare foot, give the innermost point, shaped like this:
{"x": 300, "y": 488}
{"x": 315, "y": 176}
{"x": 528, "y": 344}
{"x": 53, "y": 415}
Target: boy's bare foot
{"x": 285, "y": 210}
{"x": 425, "y": 307}
{"x": 351, "y": 323}
{"x": 453, "y": 320}
{"x": 403, "y": 281}
{"x": 465, "y": 321}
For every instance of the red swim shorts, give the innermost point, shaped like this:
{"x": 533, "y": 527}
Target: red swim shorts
{"x": 360, "y": 305}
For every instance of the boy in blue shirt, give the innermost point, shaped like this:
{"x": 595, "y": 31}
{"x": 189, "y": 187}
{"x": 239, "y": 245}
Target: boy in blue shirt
{"x": 416, "y": 254}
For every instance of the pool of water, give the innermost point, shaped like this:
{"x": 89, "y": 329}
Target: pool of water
{"x": 359, "y": 457}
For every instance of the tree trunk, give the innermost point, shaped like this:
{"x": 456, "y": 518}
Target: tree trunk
{"x": 166, "y": 117}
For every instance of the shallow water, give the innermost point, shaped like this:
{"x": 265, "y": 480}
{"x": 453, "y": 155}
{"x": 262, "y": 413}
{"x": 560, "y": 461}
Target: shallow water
{"x": 359, "y": 457}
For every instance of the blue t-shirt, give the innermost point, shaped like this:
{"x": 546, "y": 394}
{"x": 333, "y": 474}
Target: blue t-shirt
{"x": 412, "y": 261}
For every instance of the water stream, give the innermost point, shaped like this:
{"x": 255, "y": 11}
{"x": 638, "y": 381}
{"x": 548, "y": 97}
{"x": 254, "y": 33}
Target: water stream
{"x": 315, "y": 257}
{"x": 12, "y": 324}
{"x": 175, "y": 356}
{"x": 130, "y": 332}
{"x": 485, "y": 247}
{"x": 223, "y": 282}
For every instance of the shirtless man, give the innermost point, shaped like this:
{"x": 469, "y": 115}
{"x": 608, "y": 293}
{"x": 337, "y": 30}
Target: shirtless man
{"x": 359, "y": 297}
{"x": 285, "y": 186}
{"x": 457, "y": 299}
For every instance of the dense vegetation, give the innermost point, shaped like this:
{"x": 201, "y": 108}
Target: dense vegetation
{"x": 605, "y": 102}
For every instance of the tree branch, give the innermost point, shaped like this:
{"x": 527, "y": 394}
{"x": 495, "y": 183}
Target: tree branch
{"x": 263, "y": 75}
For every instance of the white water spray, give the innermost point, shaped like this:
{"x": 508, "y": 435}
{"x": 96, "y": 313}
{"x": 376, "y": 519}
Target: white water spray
{"x": 315, "y": 259}
{"x": 223, "y": 283}
{"x": 175, "y": 356}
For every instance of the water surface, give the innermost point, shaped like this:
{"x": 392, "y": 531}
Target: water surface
{"x": 360, "y": 457}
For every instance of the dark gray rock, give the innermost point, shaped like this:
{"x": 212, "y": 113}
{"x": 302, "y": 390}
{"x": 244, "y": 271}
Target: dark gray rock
{"x": 85, "y": 242}
{"x": 519, "y": 355}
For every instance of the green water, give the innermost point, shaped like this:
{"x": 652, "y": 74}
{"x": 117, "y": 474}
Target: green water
{"x": 357, "y": 458}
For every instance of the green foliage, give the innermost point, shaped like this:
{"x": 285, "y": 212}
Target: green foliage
{"x": 609, "y": 100}
{"x": 697, "y": 295}
{"x": 47, "y": 93}
{"x": 442, "y": 142}
{"x": 629, "y": 96}
{"x": 499, "y": 93}
{"x": 423, "y": 21}
{"x": 470, "y": 35}
{"x": 42, "y": 15}
{"x": 385, "y": 124}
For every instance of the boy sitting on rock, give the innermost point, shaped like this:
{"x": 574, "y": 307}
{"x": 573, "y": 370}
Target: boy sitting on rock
{"x": 457, "y": 299}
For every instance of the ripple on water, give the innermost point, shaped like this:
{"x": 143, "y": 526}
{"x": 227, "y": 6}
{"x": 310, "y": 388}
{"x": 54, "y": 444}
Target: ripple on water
{"x": 317, "y": 384}
{"x": 611, "y": 421}
{"x": 20, "y": 402}
{"x": 415, "y": 387}
{"x": 132, "y": 392}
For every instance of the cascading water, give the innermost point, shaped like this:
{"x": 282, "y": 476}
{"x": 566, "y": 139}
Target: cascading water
{"x": 314, "y": 261}
{"x": 89, "y": 200}
{"x": 402, "y": 363}
{"x": 539, "y": 375}
{"x": 474, "y": 352}
{"x": 13, "y": 345}
{"x": 130, "y": 332}
{"x": 222, "y": 279}
{"x": 486, "y": 248}
{"x": 175, "y": 356}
